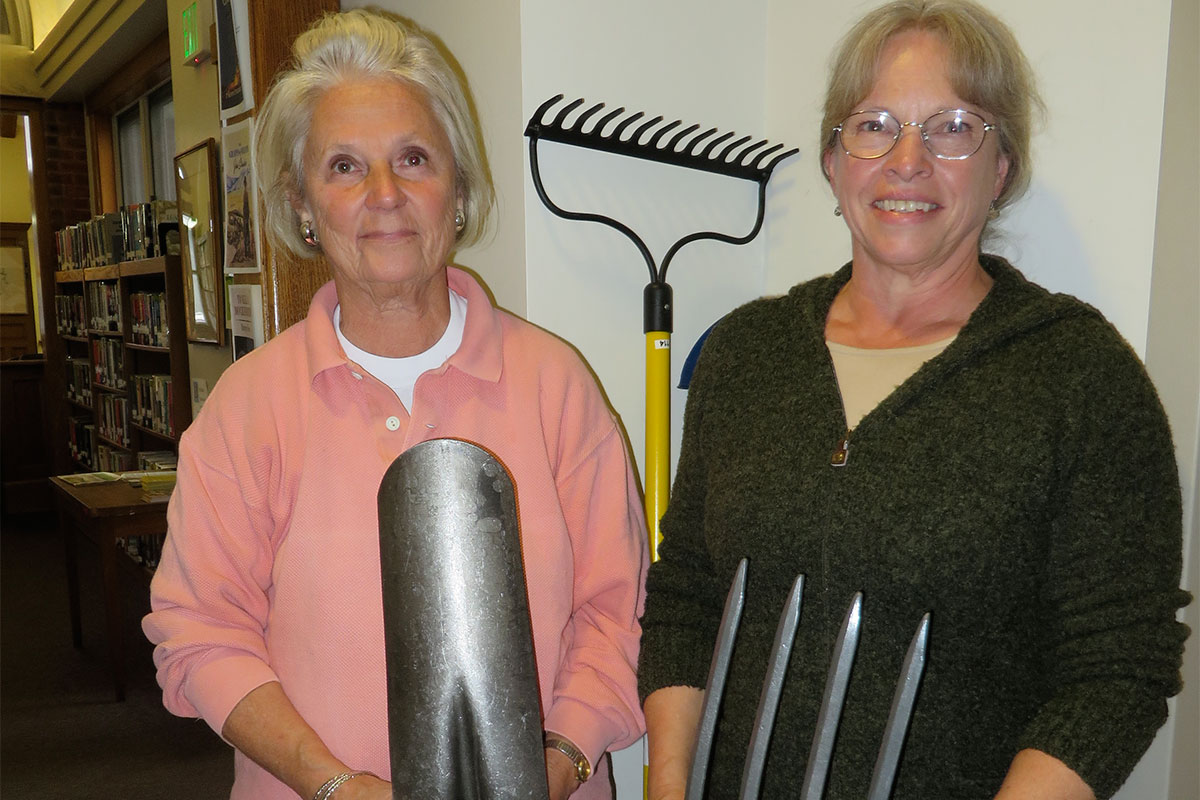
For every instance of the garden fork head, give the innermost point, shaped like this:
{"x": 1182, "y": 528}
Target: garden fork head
{"x": 821, "y": 752}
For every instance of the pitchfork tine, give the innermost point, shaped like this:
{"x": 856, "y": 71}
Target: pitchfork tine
{"x": 901, "y": 714}
{"x": 772, "y": 691}
{"x": 715, "y": 688}
{"x": 836, "y": 684}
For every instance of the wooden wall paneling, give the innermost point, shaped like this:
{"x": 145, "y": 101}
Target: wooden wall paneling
{"x": 288, "y": 282}
{"x": 100, "y": 153}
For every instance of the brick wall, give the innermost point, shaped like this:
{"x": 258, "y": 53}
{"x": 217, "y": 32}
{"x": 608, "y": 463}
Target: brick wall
{"x": 66, "y": 165}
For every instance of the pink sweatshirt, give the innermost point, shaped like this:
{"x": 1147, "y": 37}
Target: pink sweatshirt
{"x": 271, "y": 566}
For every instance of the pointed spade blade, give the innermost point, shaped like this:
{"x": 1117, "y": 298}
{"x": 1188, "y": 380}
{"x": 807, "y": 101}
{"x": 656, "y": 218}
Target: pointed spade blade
{"x": 463, "y": 710}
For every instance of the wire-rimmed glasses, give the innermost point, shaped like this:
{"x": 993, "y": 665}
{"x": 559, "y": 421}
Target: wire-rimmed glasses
{"x": 951, "y": 134}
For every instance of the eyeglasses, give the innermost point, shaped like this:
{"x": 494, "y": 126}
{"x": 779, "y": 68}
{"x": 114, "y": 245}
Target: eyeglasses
{"x": 951, "y": 135}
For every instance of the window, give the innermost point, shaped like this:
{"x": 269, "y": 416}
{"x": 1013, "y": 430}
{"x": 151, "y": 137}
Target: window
{"x": 145, "y": 135}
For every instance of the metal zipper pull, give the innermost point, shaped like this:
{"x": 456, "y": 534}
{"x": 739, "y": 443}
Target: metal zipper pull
{"x": 841, "y": 454}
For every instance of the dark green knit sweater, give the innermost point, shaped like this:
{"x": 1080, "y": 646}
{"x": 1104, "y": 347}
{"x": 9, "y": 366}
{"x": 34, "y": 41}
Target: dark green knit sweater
{"x": 1021, "y": 486}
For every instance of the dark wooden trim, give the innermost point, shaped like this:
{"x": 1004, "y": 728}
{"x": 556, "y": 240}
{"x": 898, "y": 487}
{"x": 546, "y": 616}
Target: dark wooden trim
{"x": 143, "y": 73}
{"x": 55, "y": 421}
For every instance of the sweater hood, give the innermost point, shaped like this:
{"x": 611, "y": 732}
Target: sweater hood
{"x": 1013, "y": 307}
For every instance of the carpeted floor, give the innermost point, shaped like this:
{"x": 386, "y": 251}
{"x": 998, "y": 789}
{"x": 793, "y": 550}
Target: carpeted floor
{"x": 62, "y": 736}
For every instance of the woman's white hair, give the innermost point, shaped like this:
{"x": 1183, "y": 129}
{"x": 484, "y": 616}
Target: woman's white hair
{"x": 355, "y": 45}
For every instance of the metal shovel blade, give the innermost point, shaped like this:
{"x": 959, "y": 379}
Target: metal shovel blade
{"x": 463, "y": 711}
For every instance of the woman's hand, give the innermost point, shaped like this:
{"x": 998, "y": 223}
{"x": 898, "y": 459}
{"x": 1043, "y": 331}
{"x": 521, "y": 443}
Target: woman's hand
{"x": 266, "y": 728}
{"x": 560, "y": 775}
{"x": 672, "y": 721}
{"x": 1034, "y": 775}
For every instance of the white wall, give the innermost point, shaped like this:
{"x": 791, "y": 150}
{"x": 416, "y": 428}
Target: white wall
{"x": 1173, "y": 359}
{"x": 758, "y": 66}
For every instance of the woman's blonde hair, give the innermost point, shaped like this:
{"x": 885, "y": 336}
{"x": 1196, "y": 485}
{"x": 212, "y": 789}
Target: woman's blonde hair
{"x": 987, "y": 69}
{"x": 354, "y": 45}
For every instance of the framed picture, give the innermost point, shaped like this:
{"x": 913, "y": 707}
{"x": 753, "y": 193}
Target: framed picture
{"x": 15, "y": 294}
{"x": 241, "y": 212}
{"x": 198, "y": 189}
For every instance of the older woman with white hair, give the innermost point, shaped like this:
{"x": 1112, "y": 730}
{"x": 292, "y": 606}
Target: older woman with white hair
{"x": 267, "y": 609}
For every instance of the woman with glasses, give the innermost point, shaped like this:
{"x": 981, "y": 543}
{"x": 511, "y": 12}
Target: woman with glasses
{"x": 931, "y": 429}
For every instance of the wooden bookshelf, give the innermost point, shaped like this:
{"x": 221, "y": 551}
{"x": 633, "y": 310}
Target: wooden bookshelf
{"x": 129, "y": 349}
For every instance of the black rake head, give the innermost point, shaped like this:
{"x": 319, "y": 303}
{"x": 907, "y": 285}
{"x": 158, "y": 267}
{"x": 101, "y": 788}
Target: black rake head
{"x": 706, "y": 150}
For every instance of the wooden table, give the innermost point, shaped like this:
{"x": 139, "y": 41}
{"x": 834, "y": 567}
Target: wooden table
{"x": 102, "y": 513}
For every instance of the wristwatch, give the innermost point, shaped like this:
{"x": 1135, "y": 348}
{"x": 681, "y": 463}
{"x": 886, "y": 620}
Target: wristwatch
{"x": 583, "y": 770}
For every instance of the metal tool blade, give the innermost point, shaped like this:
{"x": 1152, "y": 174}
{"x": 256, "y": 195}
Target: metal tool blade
{"x": 463, "y": 708}
{"x": 888, "y": 760}
{"x": 715, "y": 688}
{"x": 821, "y": 753}
{"x": 768, "y": 702}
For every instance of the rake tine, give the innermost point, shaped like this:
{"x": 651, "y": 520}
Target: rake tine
{"x": 715, "y": 687}
{"x": 741, "y": 157}
{"x": 585, "y": 116}
{"x": 900, "y": 715}
{"x": 758, "y": 159}
{"x": 646, "y": 140}
{"x": 733, "y": 146}
{"x": 603, "y": 123}
{"x": 641, "y": 131}
{"x": 708, "y": 149}
{"x": 665, "y": 129}
{"x": 836, "y": 683}
{"x": 538, "y": 116}
{"x": 772, "y": 691}
{"x": 616, "y": 134}
{"x": 567, "y": 109}
{"x": 675, "y": 139}
{"x": 690, "y": 147}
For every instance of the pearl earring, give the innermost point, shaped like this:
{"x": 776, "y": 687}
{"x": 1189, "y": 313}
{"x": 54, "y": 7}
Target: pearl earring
{"x": 460, "y": 220}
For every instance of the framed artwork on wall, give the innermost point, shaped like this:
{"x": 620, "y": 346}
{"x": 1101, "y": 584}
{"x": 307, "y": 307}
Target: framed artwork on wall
{"x": 198, "y": 186}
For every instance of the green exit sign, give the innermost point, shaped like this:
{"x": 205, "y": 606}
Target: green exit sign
{"x": 191, "y": 40}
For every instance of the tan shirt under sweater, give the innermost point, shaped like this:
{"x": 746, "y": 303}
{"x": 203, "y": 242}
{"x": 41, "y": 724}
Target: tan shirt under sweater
{"x": 865, "y": 377}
